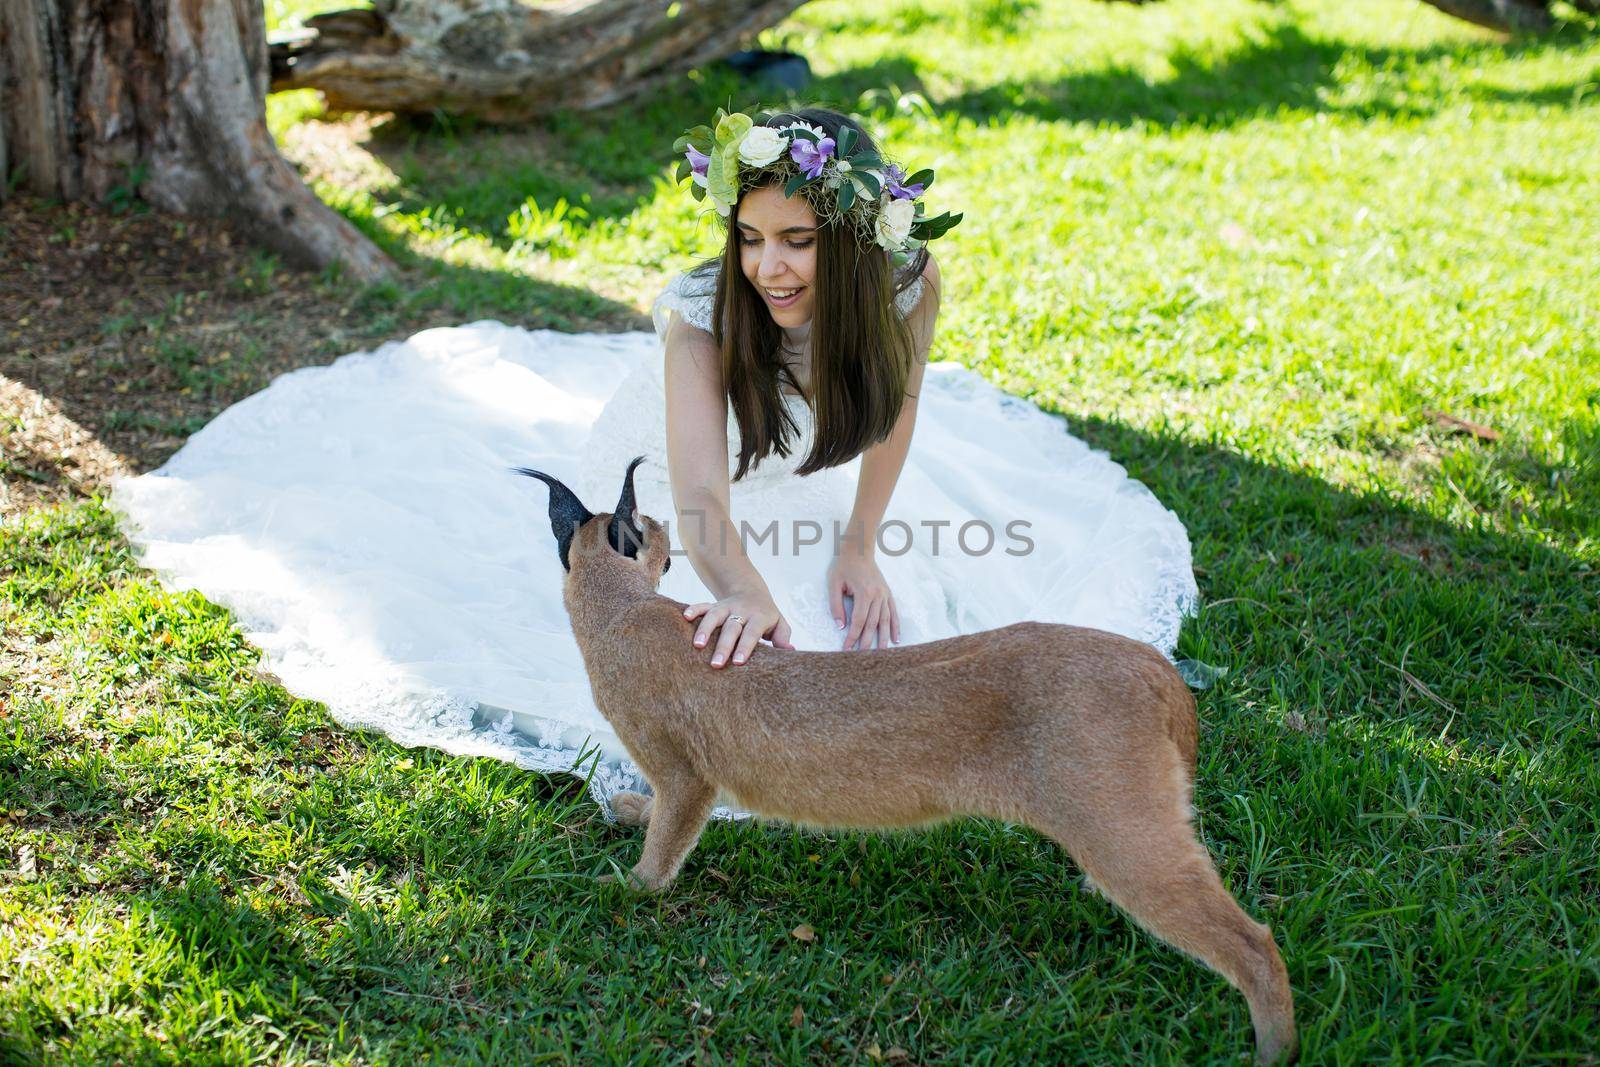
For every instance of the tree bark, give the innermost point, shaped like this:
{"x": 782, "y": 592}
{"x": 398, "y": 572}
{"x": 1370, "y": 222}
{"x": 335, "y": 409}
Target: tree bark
{"x": 1507, "y": 16}
{"x": 164, "y": 98}
{"x": 503, "y": 61}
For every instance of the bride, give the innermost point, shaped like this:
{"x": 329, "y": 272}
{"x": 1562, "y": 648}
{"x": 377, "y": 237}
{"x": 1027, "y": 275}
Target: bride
{"x": 827, "y": 485}
{"x": 809, "y": 313}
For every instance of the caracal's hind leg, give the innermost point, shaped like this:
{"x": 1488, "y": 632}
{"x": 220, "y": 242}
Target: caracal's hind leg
{"x": 632, "y": 809}
{"x": 1148, "y": 861}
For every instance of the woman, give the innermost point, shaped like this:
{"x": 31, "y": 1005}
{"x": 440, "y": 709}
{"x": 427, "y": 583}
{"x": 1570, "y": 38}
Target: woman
{"x": 360, "y": 521}
{"x": 821, "y": 300}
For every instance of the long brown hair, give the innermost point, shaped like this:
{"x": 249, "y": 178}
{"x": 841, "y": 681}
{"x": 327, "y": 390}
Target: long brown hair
{"x": 861, "y": 348}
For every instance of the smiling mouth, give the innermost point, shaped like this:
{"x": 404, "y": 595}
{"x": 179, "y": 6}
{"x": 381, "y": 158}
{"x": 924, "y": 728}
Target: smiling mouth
{"x": 782, "y": 294}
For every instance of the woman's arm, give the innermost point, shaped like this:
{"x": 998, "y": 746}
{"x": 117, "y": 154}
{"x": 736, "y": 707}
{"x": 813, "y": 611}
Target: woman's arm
{"x": 697, "y": 464}
{"x": 881, "y": 464}
{"x": 855, "y": 569}
{"x": 697, "y": 459}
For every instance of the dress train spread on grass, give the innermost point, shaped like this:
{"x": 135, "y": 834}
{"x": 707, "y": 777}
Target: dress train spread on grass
{"x": 361, "y": 522}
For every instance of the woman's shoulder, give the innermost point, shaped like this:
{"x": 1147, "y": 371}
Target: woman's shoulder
{"x": 692, "y": 294}
{"x": 930, "y": 275}
{"x": 915, "y": 284}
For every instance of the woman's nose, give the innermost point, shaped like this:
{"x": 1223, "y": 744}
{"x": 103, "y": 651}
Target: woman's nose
{"x": 772, "y": 266}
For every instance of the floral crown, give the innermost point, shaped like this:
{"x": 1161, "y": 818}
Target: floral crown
{"x": 844, "y": 181}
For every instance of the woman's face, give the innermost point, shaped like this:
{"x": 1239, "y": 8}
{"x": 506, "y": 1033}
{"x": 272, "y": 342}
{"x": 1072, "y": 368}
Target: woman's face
{"x": 777, "y": 238}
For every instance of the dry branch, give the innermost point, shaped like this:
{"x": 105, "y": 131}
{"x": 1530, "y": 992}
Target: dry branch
{"x": 503, "y": 61}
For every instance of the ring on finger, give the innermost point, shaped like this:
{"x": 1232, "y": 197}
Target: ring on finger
{"x": 736, "y": 618}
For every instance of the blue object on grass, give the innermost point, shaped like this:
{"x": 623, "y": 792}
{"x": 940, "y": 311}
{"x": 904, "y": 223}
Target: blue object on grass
{"x": 776, "y": 70}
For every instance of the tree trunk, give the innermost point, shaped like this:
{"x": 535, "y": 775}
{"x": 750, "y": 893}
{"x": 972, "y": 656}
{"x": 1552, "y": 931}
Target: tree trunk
{"x": 1507, "y": 16}
{"x": 503, "y": 61}
{"x": 164, "y": 98}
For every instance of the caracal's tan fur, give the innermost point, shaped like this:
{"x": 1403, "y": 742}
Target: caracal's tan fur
{"x": 1086, "y": 736}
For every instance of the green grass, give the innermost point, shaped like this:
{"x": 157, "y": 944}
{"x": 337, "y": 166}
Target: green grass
{"x": 1245, "y": 248}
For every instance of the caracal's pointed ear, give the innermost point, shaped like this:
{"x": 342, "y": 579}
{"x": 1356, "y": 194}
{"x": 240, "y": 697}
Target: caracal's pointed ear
{"x": 623, "y": 531}
{"x": 567, "y": 512}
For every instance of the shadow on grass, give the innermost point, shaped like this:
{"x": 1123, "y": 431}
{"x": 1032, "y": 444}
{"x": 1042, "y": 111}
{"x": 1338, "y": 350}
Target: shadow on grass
{"x": 1371, "y": 648}
{"x": 1285, "y": 69}
{"x": 1409, "y": 710}
{"x": 606, "y": 163}
{"x": 1334, "y": 598}
{"x": 454, "y": 294}
{"x": 1565, "y": 477}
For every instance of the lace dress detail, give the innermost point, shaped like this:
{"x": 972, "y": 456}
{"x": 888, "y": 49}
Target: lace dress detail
{"x": 360, "y": 522}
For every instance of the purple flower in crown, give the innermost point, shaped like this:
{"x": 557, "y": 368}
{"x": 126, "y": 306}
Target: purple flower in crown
{"x": 699, "y": 163}
{"x": 810, "y": 157}
{"x": 894, "y": 183}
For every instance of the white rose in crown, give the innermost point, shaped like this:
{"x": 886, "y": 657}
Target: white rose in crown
{"x": 894, "y": 222}
{"x": 761, "y": 146}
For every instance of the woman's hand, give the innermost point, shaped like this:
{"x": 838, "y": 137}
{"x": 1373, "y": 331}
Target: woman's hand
{"x": 873, "y": 613}
{"x": 757, "y": 617}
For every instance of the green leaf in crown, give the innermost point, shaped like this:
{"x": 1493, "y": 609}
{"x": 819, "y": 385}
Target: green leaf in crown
{"x": 929, "y": 228}
{"x": 847, "y": 196}
{"x": 732, "y": 128}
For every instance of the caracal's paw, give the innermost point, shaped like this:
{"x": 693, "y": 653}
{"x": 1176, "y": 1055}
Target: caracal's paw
{"x": 632, "y": 809}
{"x": 634, "y": 880}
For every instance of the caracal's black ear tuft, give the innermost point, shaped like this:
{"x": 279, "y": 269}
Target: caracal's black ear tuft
{"x": 623, "y": 533}
{"x": 567, "y": 512}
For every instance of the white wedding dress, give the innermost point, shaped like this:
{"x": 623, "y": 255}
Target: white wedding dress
{"x": 361, "y": 522}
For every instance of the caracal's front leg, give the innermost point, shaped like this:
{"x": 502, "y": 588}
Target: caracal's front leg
{"x": 681, "y": 806}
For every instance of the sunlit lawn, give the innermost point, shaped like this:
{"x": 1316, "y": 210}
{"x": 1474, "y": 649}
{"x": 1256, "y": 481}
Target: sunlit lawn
{"x": 1258, "y": 252}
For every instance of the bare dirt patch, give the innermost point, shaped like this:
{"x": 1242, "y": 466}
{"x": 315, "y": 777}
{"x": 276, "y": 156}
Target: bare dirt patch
{"x": 121, "y": 334}
{"x": 46, "y": 457}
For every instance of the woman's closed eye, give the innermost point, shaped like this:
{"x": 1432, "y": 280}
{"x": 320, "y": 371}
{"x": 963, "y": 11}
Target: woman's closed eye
{"x": 807, "y": 243}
